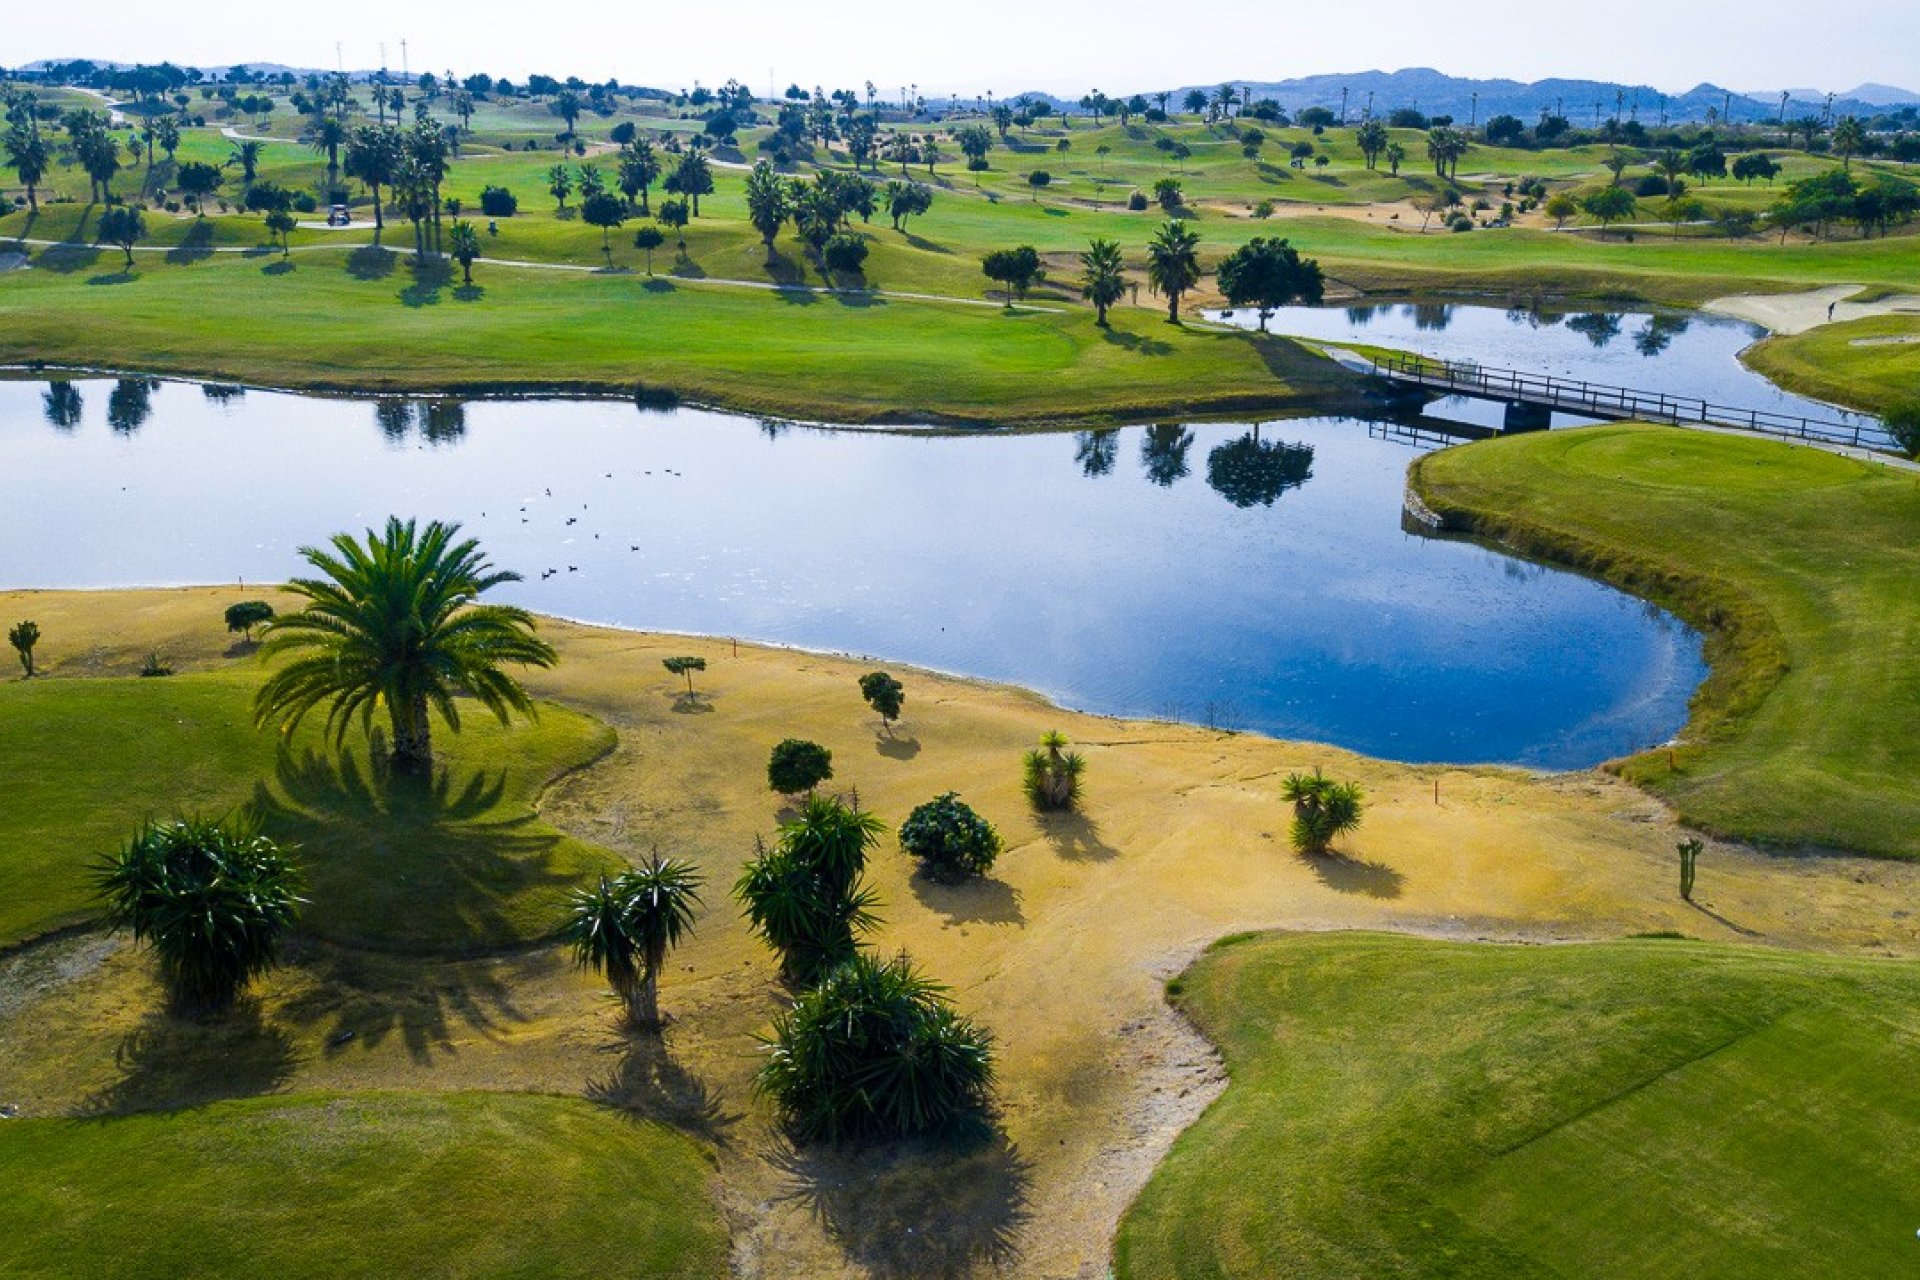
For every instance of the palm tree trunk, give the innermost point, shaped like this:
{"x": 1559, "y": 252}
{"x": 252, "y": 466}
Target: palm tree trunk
{"x": 1173, "y": 308}
{"x": 412, "y": 738}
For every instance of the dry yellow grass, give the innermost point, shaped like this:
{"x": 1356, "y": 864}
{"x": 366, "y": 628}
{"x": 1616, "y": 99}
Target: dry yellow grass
{"x": 1061, "y": 953}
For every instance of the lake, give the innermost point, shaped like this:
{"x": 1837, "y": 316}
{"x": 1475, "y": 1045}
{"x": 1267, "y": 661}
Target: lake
{"x": 1246, "y": 575}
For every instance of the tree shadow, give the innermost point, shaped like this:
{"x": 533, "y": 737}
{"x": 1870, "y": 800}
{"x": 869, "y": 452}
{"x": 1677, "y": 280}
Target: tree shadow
{"x": 259, "y": 250}
{"x": 925, "y": 245}
{"x": 688, "y": 269}
{"x": 469, "y": 293}
{"x": 692, "y": 704}
{"x": 122, "y": 276}
{"x": 430, "y": 276}
{"x": 974, "y": 900}
{"x": 1139, "y": 344}
{"x": 656, "y": 284}
{"x": 364, "y": 999}
{"x": 409, "y": 864}
{"x": 173, "y": 1059}
{"x": 859, "y": 295}
{"x": 280, "y": 268}
{"x": 371, "y": 262}
{"x": 797, "y": 295}
{"x": 1711, "y": 914}
{"x": 1053, "y": 211}
{"x": 66, "y": 259}
{"x": 195, "y": 246}
{"x": 240, "y": 648}
{"x": 1074, "y": 835}
{"x": 897, "y": 748}
{"x": 923, "y": 1209}
{"x": 645, "y": 1081}
{"x": 783, "y": 270}
{"x": 1355, "y": 875}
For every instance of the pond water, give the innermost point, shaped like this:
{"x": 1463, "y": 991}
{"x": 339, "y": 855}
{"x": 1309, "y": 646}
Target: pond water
{"x": 1679, "y": 353}
{"x": 1248, "y": 576}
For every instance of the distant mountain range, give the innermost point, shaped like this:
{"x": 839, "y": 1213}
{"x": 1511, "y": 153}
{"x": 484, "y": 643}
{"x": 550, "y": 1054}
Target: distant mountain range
{"x": 1432, "y": 92}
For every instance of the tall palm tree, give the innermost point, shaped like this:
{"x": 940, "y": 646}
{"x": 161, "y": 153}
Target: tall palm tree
{"x": 1105, "y": 280}
{"x": 394, "y": 624}
{"x": 1173, "y": 264}
{"x": 624, "y": 928}
{"x": 247, "y": 156}
{"x": 326, "y": 137}
{"x": 30, "y": 157}
{"x": 1849, "y": 139}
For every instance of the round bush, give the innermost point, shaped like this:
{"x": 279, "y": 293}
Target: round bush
{"x": 950, "y": 839}
{"x": 1137, "y": 201}
{"x": 498, "y": 202}
{"x": 797, "y": 765}
{"x": 875, "y": 1050}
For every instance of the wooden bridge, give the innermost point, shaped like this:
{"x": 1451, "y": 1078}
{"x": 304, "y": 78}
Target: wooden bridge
{"x": 1532, "y": 397}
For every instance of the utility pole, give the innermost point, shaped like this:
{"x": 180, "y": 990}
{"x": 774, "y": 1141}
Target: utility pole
{"x": 1829, "y": 113}
{"x": 1369, "y": 104}
{"x": 1783, "y": 108}
{"x": 1474, "y": 117}
{"x": 405, "y": 75}
{"x": 1343, "y": 106}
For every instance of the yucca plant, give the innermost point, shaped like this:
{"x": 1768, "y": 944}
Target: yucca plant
{"x": 804, "y": 896}
{"x": 23, "y": 636}
{"x": 393, "y": 625}
{"x": 624, "y": 927}
{"x": 875, "y": 1050}
{"x": 213, "y": 900}
{"x": 1323, "y": 810}
{"x": 1052, "y": 778}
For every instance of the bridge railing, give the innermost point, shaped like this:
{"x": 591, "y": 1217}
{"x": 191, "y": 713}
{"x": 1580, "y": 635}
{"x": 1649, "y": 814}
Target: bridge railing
{"x": 1603, "y": 400}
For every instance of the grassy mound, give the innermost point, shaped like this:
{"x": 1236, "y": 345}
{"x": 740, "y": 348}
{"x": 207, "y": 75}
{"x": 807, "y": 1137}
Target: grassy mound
{"x": 464, "y": 865}
{"x": 363, "y": 1185}
{"x": 1800, "y": 566}
{"x": 1873, "y": 363}
{"x": 1402, "y": 1107}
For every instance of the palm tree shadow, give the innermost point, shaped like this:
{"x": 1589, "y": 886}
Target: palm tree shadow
{"x": 401, "y": 863}
{"x": 195, "y": 246}
{"x": 176, "y": 1060}
{"x": 430, "y": 276}
{"x": 1074, "y": 835}
{"x": 646, "y": 1082}
{"x": 122, "y": 276}
{"x": 1353, "y": 875}
{"x": 371, "y": 262}
{"x": 921, "y": 1209}
{"x": 363, "y": 999}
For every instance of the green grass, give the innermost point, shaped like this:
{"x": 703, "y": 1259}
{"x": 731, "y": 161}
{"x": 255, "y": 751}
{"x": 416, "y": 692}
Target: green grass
{"x": 465, "y": 866}
{"x": 363, "y": 325}
{"x": 1798, "y": 564}
{"x": 475, "y": 1185}
{"x": 1872, "y": 363}
{"x": 1408, "y": 1108}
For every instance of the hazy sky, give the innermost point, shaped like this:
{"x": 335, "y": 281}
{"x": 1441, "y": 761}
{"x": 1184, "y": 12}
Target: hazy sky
{"x": 1060, "y": 45}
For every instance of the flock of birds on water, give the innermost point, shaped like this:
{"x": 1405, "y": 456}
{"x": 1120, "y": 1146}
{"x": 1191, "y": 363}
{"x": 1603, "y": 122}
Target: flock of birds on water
{"x": 552, "y": 572}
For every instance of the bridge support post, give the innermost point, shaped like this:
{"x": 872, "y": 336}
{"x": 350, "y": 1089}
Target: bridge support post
{"x": 1521, "y": 416}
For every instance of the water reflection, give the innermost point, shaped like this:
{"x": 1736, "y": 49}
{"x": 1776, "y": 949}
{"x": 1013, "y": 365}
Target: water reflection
{"x": 62, "y": 405}
{"x": 1251, "y": 472}
{"x": 1658, "y": 334}
{"x": 1315, "y": 617}
{"x": 222, "y": 393}
{"x": 1432, "y": 317}
{"x": 1598, "y": 327}
{"x": 130, "y": 404}
{"x": 1163, "y": 452}
{"x": 1096, "y": 452}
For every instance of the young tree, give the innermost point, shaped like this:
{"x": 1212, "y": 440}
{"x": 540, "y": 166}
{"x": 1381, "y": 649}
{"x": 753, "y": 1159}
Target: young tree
{"x": 1051, "y": 773}
{"x": 624, "y": 927}
{"x": 246, "y": 615}
{"x": 674, "y": 214}
{"x": 1560, "y": 206}
{"x": 246, "y": 157}
{"x": 875, "y": 1050}
{"x": 1396, "y": 155}
{"x": 951, "y": 841}
{"x": 23, "y": 636}
{"x": 1173, "y": 264}
{"x": 1269, "y": 274}
{"x": 123, "y": 225}
{"x": 768, "y": 204}
{"x": 212, "y": 900}
{"x": 804, "y": 896}
{"x": 905, "y": 199}
{"x": 31, "y": 157}
{"x": 1849, "y": 140}
{"x": 692, "y": 178}
{"x": 1105, "y": 280}
{"x": 685, "y": 666}
{"x": 1323, "y": 810}
{"x": 281, "y": 223}
{"x": 1610, "y": 205}
{"x": 605, "y": 211}
{"x": 1037, "y": 181}
{"x": 1690, "y": 850}
{"x": 885, "y": 695}
{"x": 395, "y": 623}
{"x": 649, "y": 238}
{"x": 463, "y": 242}
{"x": 796, "y": 765}
{"x": 198, "y": 180}
{"x": 974, "y": 141}
{"x": 1015, "y": 269}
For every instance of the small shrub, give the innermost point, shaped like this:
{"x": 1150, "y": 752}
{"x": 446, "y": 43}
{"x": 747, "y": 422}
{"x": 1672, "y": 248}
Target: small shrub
{"x": 844, "y": 253}
{"x": 1264, "y": 209}
{"x": 875, "y": 1050}
{"x": 1052, "y": 773}
{"x": 23, "y": 636}
{"x": 1323, "y": 810}
{"x": 797, "y": 765}
{"x": 154, "y": 667}
{"x": 1903, "y": 424}
{"x": 1137, "y": 201}
{"x": 212, "y": 900}
{"x": 951, "y": 841}
{"x": 498, "y": 202}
